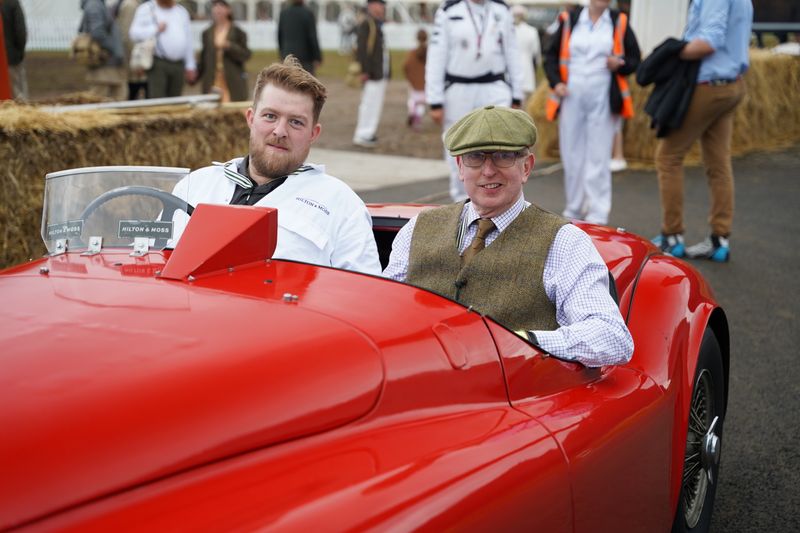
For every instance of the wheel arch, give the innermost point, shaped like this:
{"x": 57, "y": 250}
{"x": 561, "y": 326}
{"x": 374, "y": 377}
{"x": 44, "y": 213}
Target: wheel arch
{"x": 671, "y": 307}
{"x": 718, "y": 322}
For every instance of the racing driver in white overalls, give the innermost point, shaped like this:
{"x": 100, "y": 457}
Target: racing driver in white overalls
{"x": 472, "y": 62}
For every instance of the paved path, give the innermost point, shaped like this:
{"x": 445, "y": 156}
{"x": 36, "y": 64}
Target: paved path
{"x": 367, "y": 172}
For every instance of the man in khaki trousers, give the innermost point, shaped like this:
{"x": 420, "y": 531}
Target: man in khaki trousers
{"x": 718, "y": 34}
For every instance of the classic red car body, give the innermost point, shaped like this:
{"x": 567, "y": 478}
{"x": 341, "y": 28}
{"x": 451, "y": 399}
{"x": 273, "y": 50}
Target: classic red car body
{"x": 209, "y": 389}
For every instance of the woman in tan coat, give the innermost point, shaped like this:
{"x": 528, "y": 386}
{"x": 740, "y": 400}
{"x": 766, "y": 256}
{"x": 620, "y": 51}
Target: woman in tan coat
{"x": 224, "y": 53}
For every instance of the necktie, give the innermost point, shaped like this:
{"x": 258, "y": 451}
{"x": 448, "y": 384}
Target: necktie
{"x": 485, "y": 225}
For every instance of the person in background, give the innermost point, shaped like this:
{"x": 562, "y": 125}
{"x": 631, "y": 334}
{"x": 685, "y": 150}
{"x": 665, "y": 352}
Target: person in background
{"x": 173, "y": 61}
{"x": 320, "y": 219}
{"x": 586, "y": 62}
{"x": 137, "y": 79}
{"x": 498, "y": 254}
{"x": 618, "y": 162}
{"x": 530, "y": 50}
{"x": 221, "y": 67}
{"x": 297, "y": 35}
{"x": 108, "y": 80}
{"x": 373, "y": 56}
{"x": 347, "y": 30}
{"x": 16, "y": 37}
{"x": 718, "y": 35}
{"x": 473, "y": 61}
{"x": 414, "y": 69}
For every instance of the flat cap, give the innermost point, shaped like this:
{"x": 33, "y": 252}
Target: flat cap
{"x": 491, "y": 128}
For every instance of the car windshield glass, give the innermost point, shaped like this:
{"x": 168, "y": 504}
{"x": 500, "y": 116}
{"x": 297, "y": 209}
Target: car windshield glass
{"x": 110, "y": 207}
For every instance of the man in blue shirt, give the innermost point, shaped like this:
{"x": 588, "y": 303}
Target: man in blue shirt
{"x": 718, "y": 35}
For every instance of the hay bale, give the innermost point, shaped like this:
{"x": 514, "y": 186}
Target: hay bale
{"x": 34, "y": 142}
{"x": 767, "y": 119}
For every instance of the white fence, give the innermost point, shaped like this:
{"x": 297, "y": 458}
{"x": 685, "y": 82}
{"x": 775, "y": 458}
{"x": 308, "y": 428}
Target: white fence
{"x": 52, "y": 24}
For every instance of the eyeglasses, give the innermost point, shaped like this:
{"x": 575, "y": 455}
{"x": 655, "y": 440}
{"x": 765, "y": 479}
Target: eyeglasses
{"x": 500, "y": 159}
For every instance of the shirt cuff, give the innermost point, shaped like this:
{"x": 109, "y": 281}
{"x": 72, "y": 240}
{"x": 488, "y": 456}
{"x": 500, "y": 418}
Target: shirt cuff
{"x": 551, "y": 341}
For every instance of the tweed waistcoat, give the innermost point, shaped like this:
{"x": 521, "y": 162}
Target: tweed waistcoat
{"x": 504, "y": 280}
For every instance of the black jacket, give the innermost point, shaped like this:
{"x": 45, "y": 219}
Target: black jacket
{"x": 675, "y": 80}
{"x": 370, "y": 57}
{"x": 297, "y": 35}
{"x": 632, "y": 57}
{"x": 14, "y": 30}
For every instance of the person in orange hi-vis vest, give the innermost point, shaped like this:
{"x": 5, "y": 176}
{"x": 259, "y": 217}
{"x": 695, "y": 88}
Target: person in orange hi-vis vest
{"x": 586, "y": 62}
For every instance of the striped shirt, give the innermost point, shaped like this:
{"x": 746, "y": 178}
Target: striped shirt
{"x": 575, "y": 279}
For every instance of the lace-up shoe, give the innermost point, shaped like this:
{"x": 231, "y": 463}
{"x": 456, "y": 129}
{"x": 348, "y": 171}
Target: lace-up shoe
{"x": 671, "y": 244}
{"x": 366, "y": 143}
{"x": 714, "y": 248}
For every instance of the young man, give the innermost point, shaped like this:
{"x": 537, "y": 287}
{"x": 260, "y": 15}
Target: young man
{"x": 529, "y": 269}
{"x": 320, "y": 219}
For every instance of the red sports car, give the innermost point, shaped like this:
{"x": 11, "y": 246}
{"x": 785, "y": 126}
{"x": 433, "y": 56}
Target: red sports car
{"x": 211, "y": 387}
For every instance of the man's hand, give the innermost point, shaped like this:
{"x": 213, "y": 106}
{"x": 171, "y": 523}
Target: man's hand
{"x": 161, "y": 27}
{"x": 561, "y": 90}
{"x": 614, "y": 63}
{"x": 437, "y": 115}
{"x": 190, "y": 75}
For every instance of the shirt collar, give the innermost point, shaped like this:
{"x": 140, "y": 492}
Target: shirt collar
{"x": 583, "y": 17}
{"x": 239, "y": 173}
{"x": 501, "y": 221}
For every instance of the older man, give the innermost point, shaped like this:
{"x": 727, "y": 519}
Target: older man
{"x": 529, "y": 269}
{"x": 320, "y": 219}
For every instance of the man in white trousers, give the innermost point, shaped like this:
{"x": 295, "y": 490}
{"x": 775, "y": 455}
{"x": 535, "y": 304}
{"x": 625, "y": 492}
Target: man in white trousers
{"x": 472, "y": 62}
{"x": 373, "y": 56}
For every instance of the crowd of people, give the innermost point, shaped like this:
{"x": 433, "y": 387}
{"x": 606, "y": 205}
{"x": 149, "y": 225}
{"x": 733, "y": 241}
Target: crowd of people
{"x": 480, "y": 55}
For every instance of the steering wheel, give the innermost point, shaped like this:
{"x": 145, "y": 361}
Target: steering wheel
{"x": 169, "y": 203}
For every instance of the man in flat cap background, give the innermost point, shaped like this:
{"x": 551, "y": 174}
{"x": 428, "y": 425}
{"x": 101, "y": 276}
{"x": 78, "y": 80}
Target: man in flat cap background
{"x": 529, "y": 269}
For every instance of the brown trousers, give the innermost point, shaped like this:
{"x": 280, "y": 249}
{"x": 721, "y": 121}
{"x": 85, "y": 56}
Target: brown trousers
{"x": 710, "y": 119}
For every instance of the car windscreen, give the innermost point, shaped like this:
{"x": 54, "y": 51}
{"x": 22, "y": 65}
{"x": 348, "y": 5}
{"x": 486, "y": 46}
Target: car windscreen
{"x": 110, "y": 207}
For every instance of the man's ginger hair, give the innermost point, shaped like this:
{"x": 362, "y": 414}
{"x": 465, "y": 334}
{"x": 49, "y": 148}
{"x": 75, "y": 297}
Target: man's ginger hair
{"x": 290, "y": 76}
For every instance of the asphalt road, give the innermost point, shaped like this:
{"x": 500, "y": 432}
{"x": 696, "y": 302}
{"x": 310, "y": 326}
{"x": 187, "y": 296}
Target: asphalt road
{"x": 760, "y": 470}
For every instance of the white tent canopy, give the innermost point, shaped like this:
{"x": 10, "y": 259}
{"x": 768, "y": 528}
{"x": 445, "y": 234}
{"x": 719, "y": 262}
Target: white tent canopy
{"x": 655, "y": 20}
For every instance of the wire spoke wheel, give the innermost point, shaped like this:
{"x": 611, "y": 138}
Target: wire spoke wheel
{"x": 703, "y": 441}
{"x": 695, "y": 471}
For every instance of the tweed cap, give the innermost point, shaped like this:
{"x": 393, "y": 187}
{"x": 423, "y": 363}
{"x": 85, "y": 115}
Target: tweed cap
{"x": 489, "y": 129}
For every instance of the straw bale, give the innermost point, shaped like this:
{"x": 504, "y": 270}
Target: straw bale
{"x": 75, "y": 98}
{"x": 767, "y": 119}
{"x": 34, "y": 142}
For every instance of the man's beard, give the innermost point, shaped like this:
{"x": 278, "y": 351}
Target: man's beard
{"x": 274, "y": 164}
